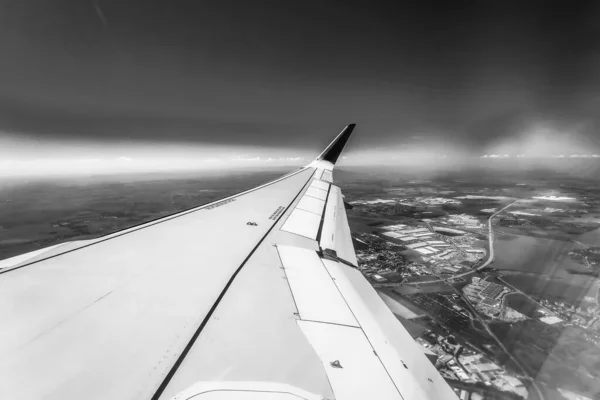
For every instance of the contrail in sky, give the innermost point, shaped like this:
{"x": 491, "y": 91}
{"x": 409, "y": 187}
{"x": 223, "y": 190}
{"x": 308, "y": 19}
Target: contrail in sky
{"x": 100, "y": 14}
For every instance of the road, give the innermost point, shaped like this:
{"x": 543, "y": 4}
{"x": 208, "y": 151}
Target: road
{"x": 585, "y": 246}
{"x": 491, "y": 237}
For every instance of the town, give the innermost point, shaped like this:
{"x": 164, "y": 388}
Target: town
{"x": 432, "y": 268}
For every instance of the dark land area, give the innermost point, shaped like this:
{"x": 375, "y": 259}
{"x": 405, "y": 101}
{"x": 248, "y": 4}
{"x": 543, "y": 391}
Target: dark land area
{"x": 523, "y": 305}
{"x": 37, "y": 214}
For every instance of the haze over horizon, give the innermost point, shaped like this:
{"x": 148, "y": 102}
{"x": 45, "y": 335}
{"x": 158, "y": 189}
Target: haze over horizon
{"x": 105, "y": 85}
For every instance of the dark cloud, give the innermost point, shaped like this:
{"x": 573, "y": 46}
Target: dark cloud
{"x": 284, "y": 73}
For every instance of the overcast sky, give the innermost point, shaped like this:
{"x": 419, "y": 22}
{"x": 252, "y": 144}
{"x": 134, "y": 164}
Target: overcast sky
{"x": 109, "y": 78}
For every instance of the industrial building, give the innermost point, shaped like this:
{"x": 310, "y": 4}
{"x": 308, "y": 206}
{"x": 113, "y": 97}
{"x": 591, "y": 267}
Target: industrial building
{"x": 416, "y": 245}
{"x": 394, "y": 235}
{"x": 422, "y": 234}
{"x": 411, "y": 231}
{"x": 394, "y": 227}
{"x": 451, "y": 269}
{"x": 448, "y": 230}
{"x": 448, "y": 256}
{"x": 407, "y": 238}
{"x": 432, "y": 249}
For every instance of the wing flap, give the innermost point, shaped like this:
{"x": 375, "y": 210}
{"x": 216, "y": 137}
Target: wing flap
{"x": 303, "y": 223}
{"x": 354, "y": 370}
{"x": 315, "y": 294}
{"x": 311, "y": 204}
{"x": 316, "y": 193}
{"x": 335, "y": 234}
{"x": 413, "y": 374}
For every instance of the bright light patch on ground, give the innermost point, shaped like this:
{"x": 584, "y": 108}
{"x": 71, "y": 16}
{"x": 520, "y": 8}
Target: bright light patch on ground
{"x": 554, "y": 198}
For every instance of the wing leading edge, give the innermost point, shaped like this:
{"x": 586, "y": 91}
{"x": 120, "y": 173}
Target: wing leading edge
{"x": 256, "y": 294}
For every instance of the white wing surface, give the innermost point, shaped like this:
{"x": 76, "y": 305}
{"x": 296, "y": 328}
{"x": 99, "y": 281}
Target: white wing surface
{"x": 255, "y": 296}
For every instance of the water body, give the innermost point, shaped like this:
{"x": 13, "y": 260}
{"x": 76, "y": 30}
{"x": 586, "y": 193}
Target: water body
{"x": 540, "y": 267}
{"x": 531, "y": 254}
{"x": 591, "y": 238}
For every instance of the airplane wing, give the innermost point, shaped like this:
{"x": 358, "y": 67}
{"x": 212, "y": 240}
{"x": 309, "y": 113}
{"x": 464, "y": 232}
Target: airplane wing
{"x": 253, "y": 296}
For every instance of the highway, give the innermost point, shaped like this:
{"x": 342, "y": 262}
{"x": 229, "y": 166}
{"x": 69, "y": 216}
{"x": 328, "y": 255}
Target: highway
{"x": 491, "y": 237}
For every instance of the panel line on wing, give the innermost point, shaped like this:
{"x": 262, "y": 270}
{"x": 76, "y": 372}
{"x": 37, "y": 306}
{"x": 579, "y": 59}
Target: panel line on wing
{"x": 317, "y": 193}
{"x": 302, "y": 223}
{"x": 306, "y": 219}
{"x": 319, "y": 184}
{"x": 311, "y": 204}
{"x": 323, "y": 215}
{"x": 194, "y": 337}
{"x": 330, "y": 323}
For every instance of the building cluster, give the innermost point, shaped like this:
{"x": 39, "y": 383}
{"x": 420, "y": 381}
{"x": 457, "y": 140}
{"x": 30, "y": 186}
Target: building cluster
{"x": 468, "y": 248}
{"x": 464, "y": 221}
{"x": 381, "y": 262}
{"x": 464, "y": 242}
{"x": 458, "y": 363}
{"x": 512, "y": 220}
{"x": 442, "y": 246}
{"x": 587, "y": 318}
{"x": 429, "y": 201}
{"x": 419, "y": 239}
{"x": 589, "y": 257}
{"x": 485, "y": 296}
{"x": 378, "y": 209}
{"x": 463, "y": 394}
{"x": 378, "y": 259}
{"x": 443, "y": 254}
{"x": 482, "y": 370}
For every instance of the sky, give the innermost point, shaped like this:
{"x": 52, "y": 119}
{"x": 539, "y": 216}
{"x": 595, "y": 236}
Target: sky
{"x": 198, "y": 83}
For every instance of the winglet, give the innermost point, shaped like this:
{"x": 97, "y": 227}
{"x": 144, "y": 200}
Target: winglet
{"x": 333, "y": 151}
